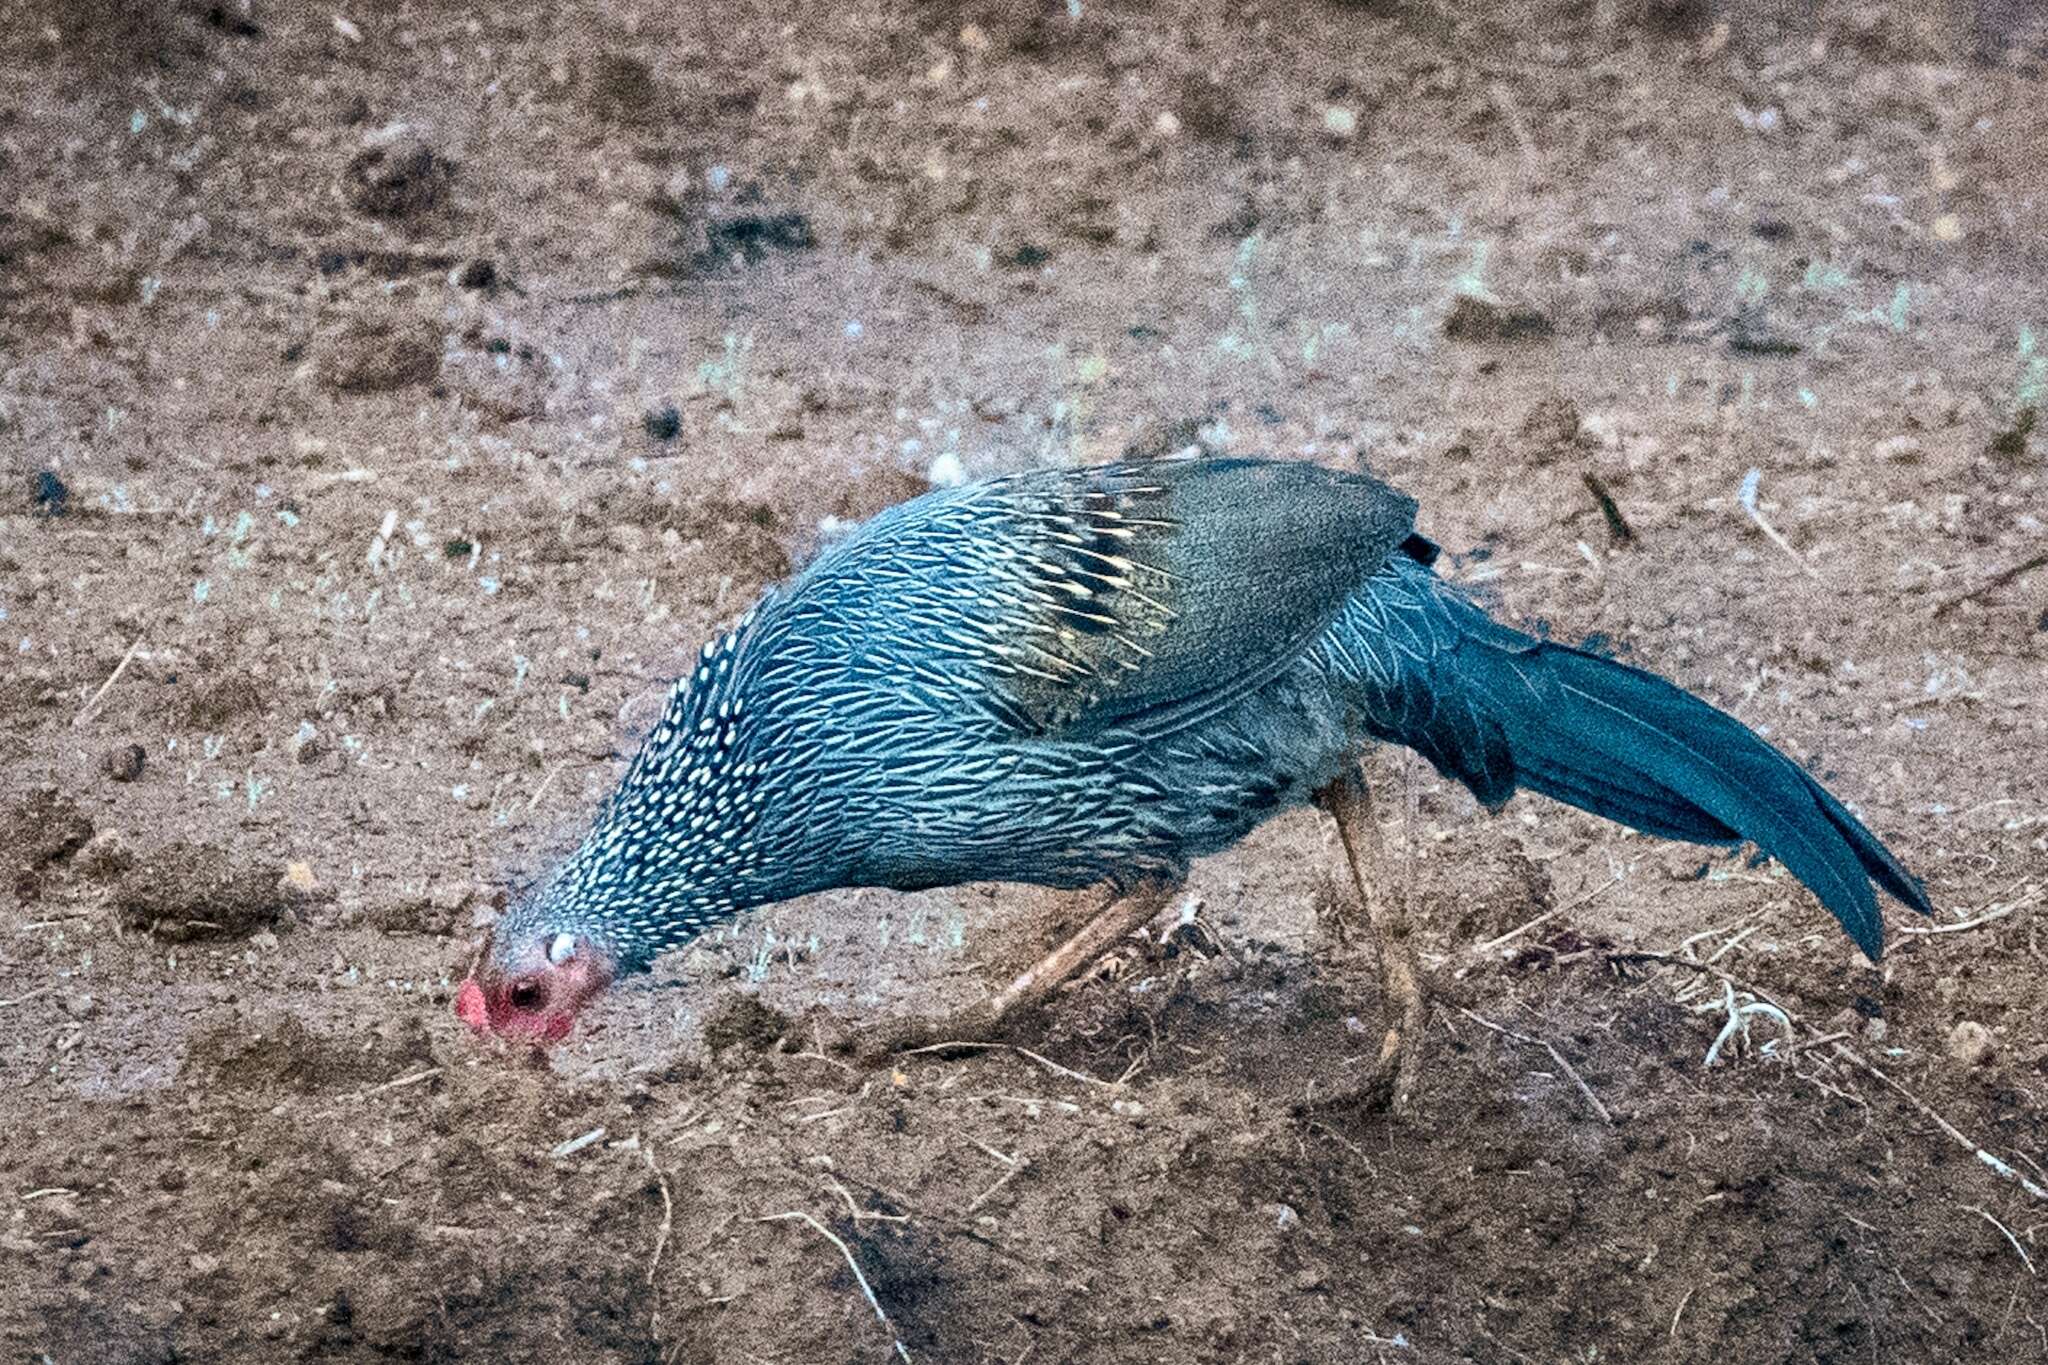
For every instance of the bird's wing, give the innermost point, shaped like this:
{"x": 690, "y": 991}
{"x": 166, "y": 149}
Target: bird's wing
{"x": 1150, "y": 595}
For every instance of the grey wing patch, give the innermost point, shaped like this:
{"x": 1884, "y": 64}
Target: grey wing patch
{"x": 1093, "y": 597}
{"x": 1151, "y": 595}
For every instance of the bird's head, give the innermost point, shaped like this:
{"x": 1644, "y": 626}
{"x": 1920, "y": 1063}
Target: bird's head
{"x": 533, "y": 980}
{"x": 677, "y": 849}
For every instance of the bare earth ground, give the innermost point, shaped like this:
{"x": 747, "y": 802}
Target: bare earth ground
{"x": 417, "y": 389}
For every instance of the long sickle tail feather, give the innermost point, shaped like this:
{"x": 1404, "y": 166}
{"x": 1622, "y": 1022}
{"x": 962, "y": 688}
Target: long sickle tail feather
{"x": 1629, "y": 746}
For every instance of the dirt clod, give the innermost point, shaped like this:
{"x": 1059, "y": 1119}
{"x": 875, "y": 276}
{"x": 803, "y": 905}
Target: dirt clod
{"x": 398, "y": 176}
{"x": 46, "y": 827}
{"x": 743, "y": 1021}
{"x": 1476, "y": 319}
{"x": 125, "y": 762}
{"x": 183, "y": 892}
{"x": 381, "y": 355}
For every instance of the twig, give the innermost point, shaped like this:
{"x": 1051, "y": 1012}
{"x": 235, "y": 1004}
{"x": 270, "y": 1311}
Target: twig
{"x": 851, "y": 1264}
{"x": 27, "y": 996}
{"x": 1480, "y": 949}
{"x": 1504, "y": 104}
{"x": 1556, "y": 1056}
{"x": 668, "y": 1213}
{"x": 1681, "y": 1310}
{"x": 1016, "y": 1168}
{"x": 576, "y": 1144}
{"x": 1850, "y": 1054}
{"x": 112, "y": 678}
{"x": 1992, "y": 584}
{"x": 1995, "y": 913}
{"x": 1985, "y": 1214}
{"x": 1618, "y": 529}
{"x": 1048, "y": 1063}
{"x": 1747, "y": 497}
{"x": 414, "y": 1079}
{"x": 546, "y": 780}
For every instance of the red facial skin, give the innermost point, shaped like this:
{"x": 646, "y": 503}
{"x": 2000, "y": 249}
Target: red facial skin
{"x": 536, "y": 1004}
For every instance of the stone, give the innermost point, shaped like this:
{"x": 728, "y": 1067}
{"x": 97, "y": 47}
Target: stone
{"x": 1972, "y": 1044}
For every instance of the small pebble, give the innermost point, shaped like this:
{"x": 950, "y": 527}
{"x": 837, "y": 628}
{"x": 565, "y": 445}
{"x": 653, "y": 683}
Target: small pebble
{"x": 51, "y": 493}
{"x": 1972, "y": 1044}
{"x": 946, "y": 471}
{"x": 1340, "y": 123}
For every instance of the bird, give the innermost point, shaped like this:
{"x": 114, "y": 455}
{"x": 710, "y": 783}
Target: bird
{"x": 1095, "y": 676}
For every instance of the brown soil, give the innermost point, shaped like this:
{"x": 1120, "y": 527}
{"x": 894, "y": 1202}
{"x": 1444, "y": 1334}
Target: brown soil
{"x": 389, "y": 402}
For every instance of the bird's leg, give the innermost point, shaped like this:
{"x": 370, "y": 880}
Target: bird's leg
{"x": 1121, "y": 917}
{"x": 1392, "y": 1082}
{"x": 978, "y": 1023}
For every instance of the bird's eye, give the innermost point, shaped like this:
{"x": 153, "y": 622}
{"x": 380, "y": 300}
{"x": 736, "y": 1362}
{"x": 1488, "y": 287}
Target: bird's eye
{"x": 561, "y": 948}
{"x": 526, "y": 994}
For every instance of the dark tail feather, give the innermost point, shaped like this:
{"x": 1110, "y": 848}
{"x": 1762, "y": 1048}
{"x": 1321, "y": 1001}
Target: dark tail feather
{"x": 1630, "y": 746}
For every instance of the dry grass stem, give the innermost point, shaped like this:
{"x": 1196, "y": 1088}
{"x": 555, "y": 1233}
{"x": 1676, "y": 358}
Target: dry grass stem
{"x": 668, "y": 1214}
{"x": 112, "y": 678}
{"x": 1747, "y": 497}
{"x": 1992, "y": 584}
{"x": 1584, "y": 898}
{"x": 1048, "y": 1063}
{"x": 1016, "y": 1169}
{"x": 547, "y": 780}
{"x": 797, "y": 1215}
{"x": 1985, "y": 1214}
{"x": 414, "y": 1079}
{"x": 1998, "y": 1167}
{"x": 576, "y": 1144}
{"x": 1991, "y": 916}
{"x": 1511, "y": 114}
{"x": 1556, "y": 1056}
{"x": 859, "y": 1214}
{"x": 1680, "y": 1312}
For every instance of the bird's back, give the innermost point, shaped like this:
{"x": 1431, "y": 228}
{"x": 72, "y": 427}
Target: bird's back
{"x": 997, "y": 681}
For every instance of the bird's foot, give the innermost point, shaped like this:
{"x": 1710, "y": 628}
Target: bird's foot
{"x": 1387, "y": 1084}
